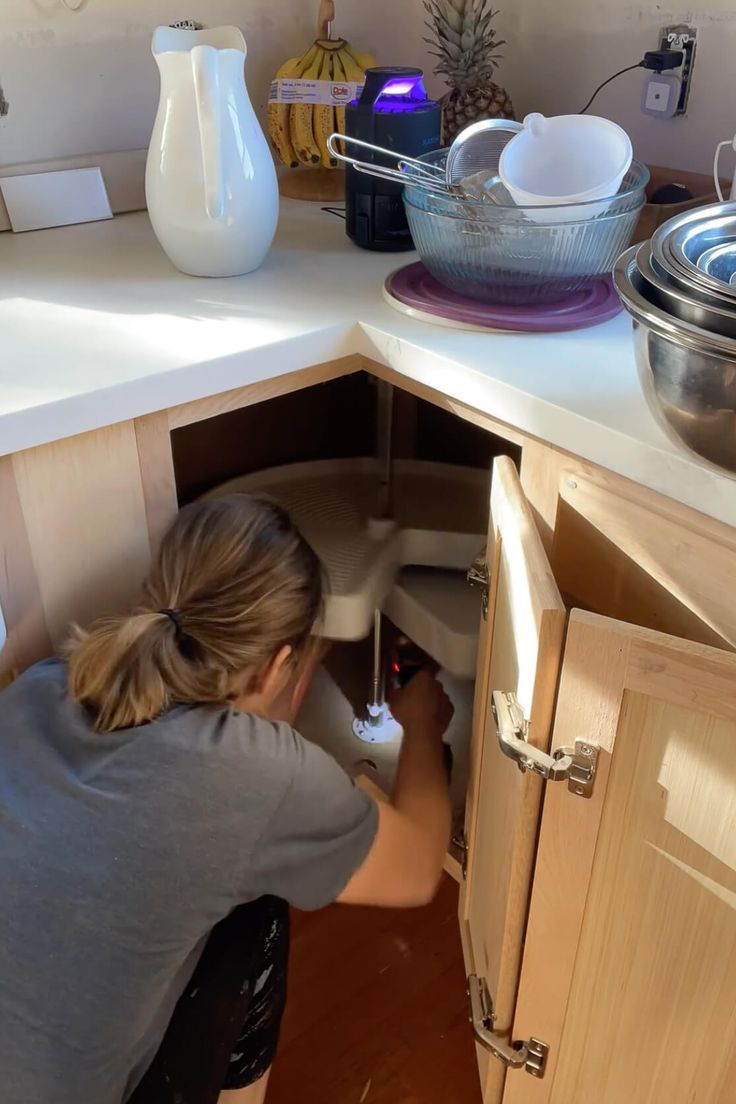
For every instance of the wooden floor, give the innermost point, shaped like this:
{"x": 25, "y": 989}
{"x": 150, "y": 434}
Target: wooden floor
{"x": 377, "y": 1012}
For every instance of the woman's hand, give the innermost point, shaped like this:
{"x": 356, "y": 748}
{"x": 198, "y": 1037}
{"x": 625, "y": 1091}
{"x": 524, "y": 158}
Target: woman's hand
{"x": 404, "y": 864}
{"x": 422, "y": 706}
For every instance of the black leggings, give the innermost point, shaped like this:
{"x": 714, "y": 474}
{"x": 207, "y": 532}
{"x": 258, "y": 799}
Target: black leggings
{"x": 225, "y": 1027}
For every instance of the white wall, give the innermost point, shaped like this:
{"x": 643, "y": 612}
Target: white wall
{"x": 85, "y": 82}
{"x": 392, "y": 30}
{"x": 559, "y": 52}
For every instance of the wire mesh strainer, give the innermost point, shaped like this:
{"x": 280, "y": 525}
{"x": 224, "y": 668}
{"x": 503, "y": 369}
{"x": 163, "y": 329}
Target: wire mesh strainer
{"x": 476, "y": 149}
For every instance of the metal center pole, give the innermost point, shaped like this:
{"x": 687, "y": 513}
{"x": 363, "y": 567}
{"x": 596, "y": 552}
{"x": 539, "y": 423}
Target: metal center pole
{"x": 384, "y": 440}
{"x": 377, "y": 679}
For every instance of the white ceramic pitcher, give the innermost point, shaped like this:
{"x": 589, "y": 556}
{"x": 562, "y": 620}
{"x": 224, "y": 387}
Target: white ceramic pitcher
{"x": 211, "y": 184}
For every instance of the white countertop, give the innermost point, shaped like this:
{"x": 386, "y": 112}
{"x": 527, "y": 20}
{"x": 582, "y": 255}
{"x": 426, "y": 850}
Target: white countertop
{"x": 97, "y": 327}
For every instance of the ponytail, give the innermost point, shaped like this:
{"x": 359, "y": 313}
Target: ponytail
{"x": 234, "y": 581}
{"x": 128, "y": 670}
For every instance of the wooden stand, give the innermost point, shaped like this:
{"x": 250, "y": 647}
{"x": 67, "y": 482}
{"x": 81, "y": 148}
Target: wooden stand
{"x": 318, "y": 185}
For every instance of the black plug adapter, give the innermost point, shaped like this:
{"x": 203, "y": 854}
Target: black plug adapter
{"x": 659, "y": 60}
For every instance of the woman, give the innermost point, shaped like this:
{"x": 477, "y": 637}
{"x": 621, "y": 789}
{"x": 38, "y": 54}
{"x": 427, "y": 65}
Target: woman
{"x": 157, "y": 810}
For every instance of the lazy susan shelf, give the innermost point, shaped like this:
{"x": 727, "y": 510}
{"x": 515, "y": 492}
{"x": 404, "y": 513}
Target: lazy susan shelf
{"x": 439, "y": 514}
{"x": 439, "y": 612}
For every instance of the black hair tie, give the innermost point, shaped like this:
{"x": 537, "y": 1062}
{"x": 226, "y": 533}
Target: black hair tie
{"x": 173, "y": 617}
{"x": 184, "y": 642}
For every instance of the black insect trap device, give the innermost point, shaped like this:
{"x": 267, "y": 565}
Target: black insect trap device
{"x": 393, "y": 111}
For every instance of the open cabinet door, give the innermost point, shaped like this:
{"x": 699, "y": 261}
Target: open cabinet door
{"x": 629, "y": 970}
{"x": 519, "y": 654}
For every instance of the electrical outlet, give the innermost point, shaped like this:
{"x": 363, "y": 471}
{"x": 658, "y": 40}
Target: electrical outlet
{"x": 660, "y": 95}
{"x": 681, "y": 37}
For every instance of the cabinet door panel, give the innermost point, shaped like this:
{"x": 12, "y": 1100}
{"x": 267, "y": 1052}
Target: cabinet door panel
{"x": 520, "y": 653}
{"x": 629, "y": 969}
{"x": 643, "y": 556}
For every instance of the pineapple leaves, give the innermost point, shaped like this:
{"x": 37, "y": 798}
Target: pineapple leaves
{"x": 464, "y": 39}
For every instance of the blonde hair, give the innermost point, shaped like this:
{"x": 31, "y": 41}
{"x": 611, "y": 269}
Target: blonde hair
{"x": 234, "y": 581}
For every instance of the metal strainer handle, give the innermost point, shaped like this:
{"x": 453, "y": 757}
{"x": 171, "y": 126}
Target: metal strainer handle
{"x": 399, "y": 158}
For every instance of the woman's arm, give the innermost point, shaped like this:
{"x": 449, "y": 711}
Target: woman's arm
{"x": 404, "y": 865}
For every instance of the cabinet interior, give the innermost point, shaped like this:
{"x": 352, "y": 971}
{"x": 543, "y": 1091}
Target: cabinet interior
{"x": 338, "y": 420}
{"x": 330, "y": 420}
{"x": 610, "y": 555}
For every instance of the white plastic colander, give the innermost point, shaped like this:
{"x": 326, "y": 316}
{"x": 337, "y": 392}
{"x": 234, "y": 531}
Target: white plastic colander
{"x": 565, "y": 160}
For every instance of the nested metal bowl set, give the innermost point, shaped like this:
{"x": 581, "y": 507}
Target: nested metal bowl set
{"x": 680, "y": 290}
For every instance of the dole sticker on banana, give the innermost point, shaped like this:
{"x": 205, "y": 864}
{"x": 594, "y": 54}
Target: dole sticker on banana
{"x": 307, "y": 101}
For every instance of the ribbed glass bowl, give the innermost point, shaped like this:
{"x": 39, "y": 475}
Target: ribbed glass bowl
{"x": 498, "y": 203}
{"x": 494, "y": 253}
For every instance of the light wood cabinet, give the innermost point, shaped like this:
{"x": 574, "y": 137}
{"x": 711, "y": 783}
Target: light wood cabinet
{"x": 605, "y": 926}
{"x": 602, "y": 926}
{"x": 79, "y": 519}
{"x": 520, "y": 653}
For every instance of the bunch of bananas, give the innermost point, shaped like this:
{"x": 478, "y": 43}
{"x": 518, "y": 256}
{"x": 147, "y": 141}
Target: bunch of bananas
{"x": 299, "y": 131}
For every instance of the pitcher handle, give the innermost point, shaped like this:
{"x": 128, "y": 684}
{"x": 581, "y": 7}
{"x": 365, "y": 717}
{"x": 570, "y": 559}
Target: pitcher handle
{"x": 206, "y": 73}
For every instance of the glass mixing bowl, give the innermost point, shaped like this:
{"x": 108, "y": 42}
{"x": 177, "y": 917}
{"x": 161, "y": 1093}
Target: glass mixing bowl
{"x": 491, "y": 251}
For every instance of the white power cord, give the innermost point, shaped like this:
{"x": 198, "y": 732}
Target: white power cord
{"x": 716, "y": 174}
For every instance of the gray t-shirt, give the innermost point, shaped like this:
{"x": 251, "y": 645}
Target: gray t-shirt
{"x": 118, "y": 854}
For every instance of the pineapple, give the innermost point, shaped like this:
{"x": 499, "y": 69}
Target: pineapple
{"x": 468, "y": 51}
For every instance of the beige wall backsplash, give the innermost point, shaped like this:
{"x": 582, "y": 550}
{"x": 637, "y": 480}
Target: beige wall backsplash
{"x": 85, "y": 82}
{"x": 558, "y": 53}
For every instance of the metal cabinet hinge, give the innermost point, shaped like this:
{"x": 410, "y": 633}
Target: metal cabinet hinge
{"x": 574, "y": 765}
{"x": 479, "y": 576}
{"x": 459, "y": 843}
{"x": 530, "y": 1055}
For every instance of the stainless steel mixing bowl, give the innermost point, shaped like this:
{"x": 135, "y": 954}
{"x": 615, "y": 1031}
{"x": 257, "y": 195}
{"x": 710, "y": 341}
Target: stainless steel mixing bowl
{"x": 679, "y": 303}
{"x": 720, "y": 262}
{"x": 682, "y": 246}
{"x": 697, "y": 294}
{"x": 687, "y": 373}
